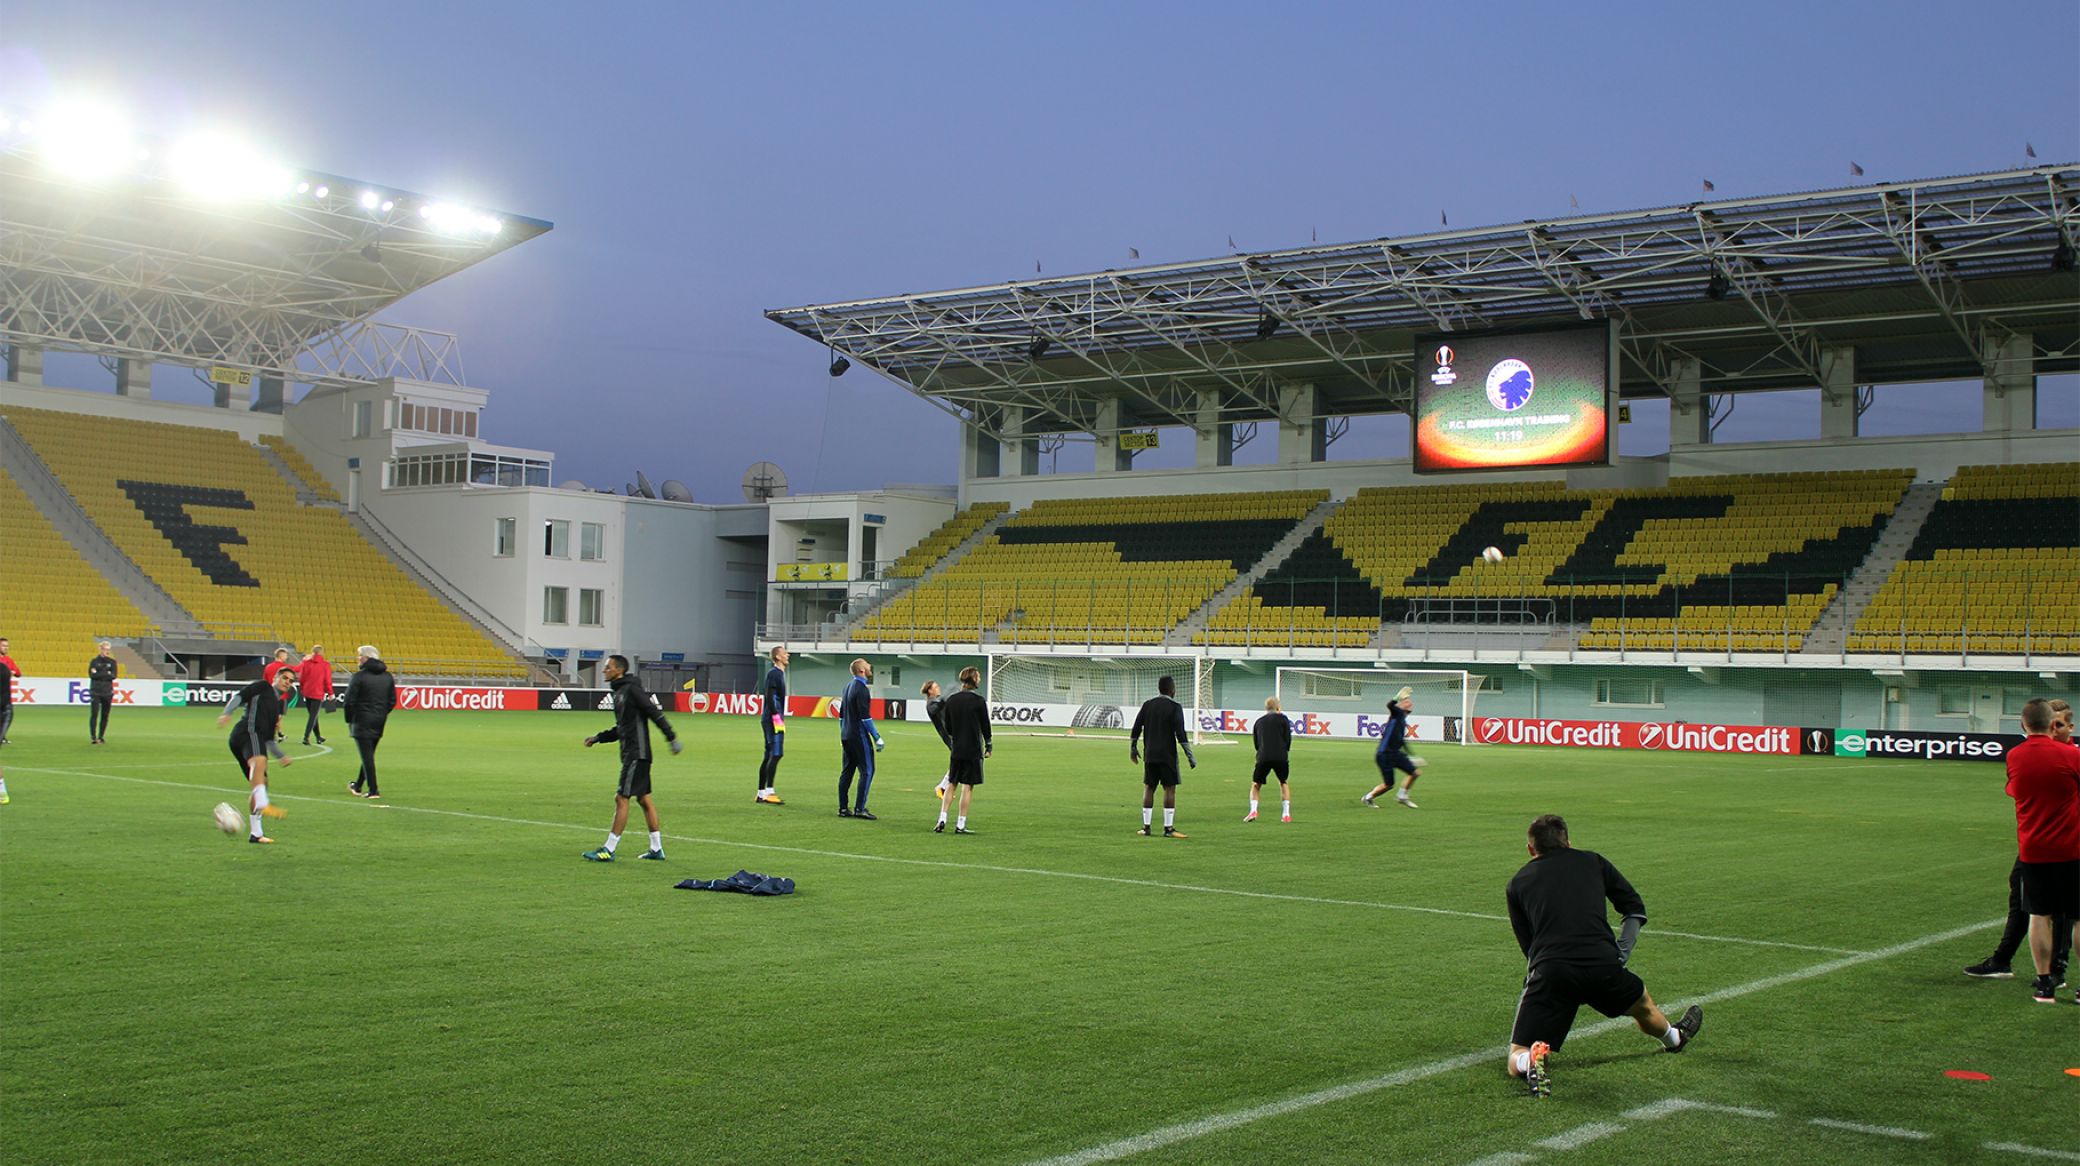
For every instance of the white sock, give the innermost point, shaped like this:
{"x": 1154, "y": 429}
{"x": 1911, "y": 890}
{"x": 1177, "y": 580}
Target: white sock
{"x": 1169, "y": 817}
{"x": 961, "y": 823}
{"x": 3, "y": 787}
{"x": 260, "y": 797}
{"x": 945, "y": 783}
{"x": 942, "y": 815}
{"x": 613, "y": 840}
{"x": 1287, "y": 809}
{"x": 1672, "y": 1037}
{"x": 1253, "y": 805}
{"x": 257, "y": 831}
{"x": 1147, "y": 815}
{"x": 657, "y": 840}
{"x": 1521, "y": 1061}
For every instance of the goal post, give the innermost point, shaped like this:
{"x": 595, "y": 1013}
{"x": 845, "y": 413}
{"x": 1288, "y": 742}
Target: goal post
{"x": 1446, "y": 693}
{"x": 1072, "y": 695}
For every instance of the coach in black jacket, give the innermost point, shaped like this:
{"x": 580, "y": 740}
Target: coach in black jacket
{"x": 634, "y": 713}
{"x": 371, "y": 694}
{"x": 101, "y": 694}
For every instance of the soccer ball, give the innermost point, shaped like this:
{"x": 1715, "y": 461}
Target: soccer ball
{"x": 1492, "y": 554}
{"x": 228, "y": 819}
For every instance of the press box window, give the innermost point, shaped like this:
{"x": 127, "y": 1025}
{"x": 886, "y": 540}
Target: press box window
{"x": 592, "y": 541}
{"x": 592, "y": 607}
{"x": 505, "y": 533}
{"x": 556, "y": 604}
{"x": 556, "y": 539}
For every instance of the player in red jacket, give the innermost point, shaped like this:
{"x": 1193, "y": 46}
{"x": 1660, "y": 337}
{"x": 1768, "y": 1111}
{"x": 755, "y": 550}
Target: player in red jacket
{"x": 314, "y": 681}
{"x": 2044, "y": 780}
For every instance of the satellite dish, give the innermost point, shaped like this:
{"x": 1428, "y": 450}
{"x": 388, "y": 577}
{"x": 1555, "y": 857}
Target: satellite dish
{"x": 675, "y": 491}
{"x": 574, "y": 484}
{"x": 643, "y": 487}
{"x": 764, "y": 482}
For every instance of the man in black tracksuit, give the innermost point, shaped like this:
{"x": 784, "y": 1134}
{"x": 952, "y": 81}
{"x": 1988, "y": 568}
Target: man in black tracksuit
{"x": 963, "y": 723}
{"x": 371, "y": 695}
{"x": 1162, "y": 718}
{"x": 634, "y": 713}
{"x": 101, "y": 693}
{"x": 772, "y": 718}
{"x": 1556, "y": 908}
{"x": 258, "y": 710}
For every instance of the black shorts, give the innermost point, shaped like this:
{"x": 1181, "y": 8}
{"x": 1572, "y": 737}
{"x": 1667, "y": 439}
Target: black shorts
{"x": 244, "y": 755}
{"x": 959, "y": 772}
{"x": 1553, "y": 992}
{"x": 635, "y": 778}
{"x": 1392, "y": 760}
{"x": 2051, "y": 888}
{"x": 1162, "y": 773}
{"x": 1282, "y": 767}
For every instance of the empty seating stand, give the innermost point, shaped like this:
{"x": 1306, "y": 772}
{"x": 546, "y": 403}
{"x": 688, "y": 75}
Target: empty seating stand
{"x": 53, "y": 604}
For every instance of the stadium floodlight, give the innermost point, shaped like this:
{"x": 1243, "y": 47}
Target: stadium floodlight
{"x": 219, "y": 166}
{"x": 1038, "y": 348}
{"x": 1718, "y": 285}
{"x": 1267, "y": 324}
{"x": 2062, "y": 257}
{"x": 369, "y": 200}
{"x": 322, "y": 192}
{"x": 86, "y": 140}
{"x": 839, "y": 365}
{"x": 458, "y": 220}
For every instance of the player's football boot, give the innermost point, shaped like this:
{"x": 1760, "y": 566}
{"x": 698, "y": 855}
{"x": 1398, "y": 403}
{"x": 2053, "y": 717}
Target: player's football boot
{"x": 1537, "y": 1078}
{"x": 1990, "y": 969}
{"x": 1250, "y": 817}
{"x": 770, "y": 800}
{"x": 1692, "y": 1020}
{"x": 1174, "y": 832}
{"x": 962, "y": 830}
{"x": 1285, "y": 817}
{"x": 1369, "y": 803}
{"x": 862, "y": 813}
{"x": 260, "y": 839}
{"x": 600, "y": 855}
{"x": 1406, "y": 801}
{"x": 2044, "y": 990}
{"x": 273, "y": 811}
{"x": 652, "y": 855}
{"x": 844, "y": 811}
{"x": 940, "y": 828}
{"x": 1142, "y": 833}
{"x": 3, "y": 797}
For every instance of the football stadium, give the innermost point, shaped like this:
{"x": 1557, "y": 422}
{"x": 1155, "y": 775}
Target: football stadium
{"x": 1776, "y": 683}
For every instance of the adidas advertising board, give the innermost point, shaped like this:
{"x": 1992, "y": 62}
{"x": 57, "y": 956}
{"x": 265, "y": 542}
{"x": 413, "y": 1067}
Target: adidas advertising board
{"x": 577, "y": 700}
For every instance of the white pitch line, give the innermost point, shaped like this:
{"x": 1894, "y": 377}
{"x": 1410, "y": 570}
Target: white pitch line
{"x": 1580, "y": 1135}
{"x": 986, "y": 868}
{"x": 1875, "y": 1131}
{"x": 1505, "y": 1158}
{"x": 1216, "y": 1123}
{"x": 2035, "y": 1151}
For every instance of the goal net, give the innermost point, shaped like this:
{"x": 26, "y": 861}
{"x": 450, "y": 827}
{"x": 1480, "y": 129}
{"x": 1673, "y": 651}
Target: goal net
{"x": 1074, "y": 695}
{"x": 1446, "y": 695}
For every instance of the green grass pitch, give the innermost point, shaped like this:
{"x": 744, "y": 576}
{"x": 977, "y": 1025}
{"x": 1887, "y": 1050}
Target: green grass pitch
{"x": 444, "y": 980}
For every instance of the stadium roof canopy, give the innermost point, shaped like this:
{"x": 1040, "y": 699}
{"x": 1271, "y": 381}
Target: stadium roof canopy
{"x": 1918, "y": 277}
{"x": 283, "y": 285}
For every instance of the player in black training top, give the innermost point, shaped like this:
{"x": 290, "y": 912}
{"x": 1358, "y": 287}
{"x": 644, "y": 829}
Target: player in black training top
{"x": 101, "y": 694}
{"x": 1273, "y": 735}
{"x": 1162, "y": 719}
{"x": 258, "y": 708}
{"x": 935, "y": 712}
{"x": 1556, "y": 907}
{"x": 772, "y": 717}
{"x": 964, "y": 724}
{"x": 634, "y": 713}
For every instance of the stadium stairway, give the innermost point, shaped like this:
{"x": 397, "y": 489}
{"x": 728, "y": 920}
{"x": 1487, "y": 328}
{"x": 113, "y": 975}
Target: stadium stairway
{"x": 899, "y": 586}
{"x": 306, "y": 494}
{"x": 63, "y": 512}
{"x": 1831, "y": 632}
{"x": 1182, "y": 634}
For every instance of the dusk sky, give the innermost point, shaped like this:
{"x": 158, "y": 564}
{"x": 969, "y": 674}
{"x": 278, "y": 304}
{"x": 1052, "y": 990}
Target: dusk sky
{"x": 703, "y": 163}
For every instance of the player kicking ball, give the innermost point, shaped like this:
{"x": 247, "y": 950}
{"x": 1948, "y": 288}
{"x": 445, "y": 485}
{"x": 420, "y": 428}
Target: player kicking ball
{"x": 1393, "y": 755}
{"x": 258, "y": 709}
{"x": 1556, "y": 908}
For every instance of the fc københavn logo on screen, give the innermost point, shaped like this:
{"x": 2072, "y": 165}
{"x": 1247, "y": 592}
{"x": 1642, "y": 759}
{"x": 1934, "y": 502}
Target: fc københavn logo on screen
{"x": 1509, "y": 385}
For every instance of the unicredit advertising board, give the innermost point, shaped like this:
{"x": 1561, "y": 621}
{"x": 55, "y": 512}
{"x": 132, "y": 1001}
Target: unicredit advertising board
{"x": 1674, "y": 736}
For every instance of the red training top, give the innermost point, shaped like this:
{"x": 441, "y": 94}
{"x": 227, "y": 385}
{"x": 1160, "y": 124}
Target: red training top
{"x": 8, "y": 663}
{"x": 2044, "y": 780}
{"x": 314, "y": 677}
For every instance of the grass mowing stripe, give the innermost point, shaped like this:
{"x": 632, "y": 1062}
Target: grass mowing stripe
{"x": 1215, "y": 1123}
{"x": 970, "y": 866}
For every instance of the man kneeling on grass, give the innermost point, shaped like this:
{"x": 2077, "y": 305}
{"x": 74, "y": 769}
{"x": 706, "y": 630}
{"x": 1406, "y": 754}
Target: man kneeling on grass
{"x": 1556, "y": 906}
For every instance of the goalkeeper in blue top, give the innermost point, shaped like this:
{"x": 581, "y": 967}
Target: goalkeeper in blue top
{"x": 772, "y": 717}
{"x": 1392, "y": 753}
{"x": 859, "y": 739}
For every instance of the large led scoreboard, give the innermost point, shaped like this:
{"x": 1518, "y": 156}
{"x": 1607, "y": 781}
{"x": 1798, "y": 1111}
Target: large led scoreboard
{"x": 1507, "y": 400}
